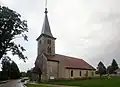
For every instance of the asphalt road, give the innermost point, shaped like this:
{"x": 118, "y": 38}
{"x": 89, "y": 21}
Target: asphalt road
{"x": 12, "y": 83}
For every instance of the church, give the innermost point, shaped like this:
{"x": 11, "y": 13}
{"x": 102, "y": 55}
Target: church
{"x": 49, "y": 65}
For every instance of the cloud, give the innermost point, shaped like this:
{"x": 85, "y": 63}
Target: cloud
{"x": 88, "y": 29}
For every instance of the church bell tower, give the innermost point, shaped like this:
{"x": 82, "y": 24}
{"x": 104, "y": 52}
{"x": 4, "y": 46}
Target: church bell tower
{"x": 46, "y": 41}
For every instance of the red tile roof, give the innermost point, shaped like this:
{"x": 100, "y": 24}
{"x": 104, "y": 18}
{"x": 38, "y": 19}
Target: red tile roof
{"x": 71, "y": 62}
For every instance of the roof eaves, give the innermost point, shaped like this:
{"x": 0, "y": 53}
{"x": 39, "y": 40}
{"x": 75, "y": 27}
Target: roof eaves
{"x": 79, "y": 68}
{"x": 45, "y": 36}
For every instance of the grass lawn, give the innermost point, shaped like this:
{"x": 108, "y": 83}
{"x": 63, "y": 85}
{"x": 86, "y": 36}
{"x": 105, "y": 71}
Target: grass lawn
{"x": 113, "y": 82}
{"x": 33, "y": 85}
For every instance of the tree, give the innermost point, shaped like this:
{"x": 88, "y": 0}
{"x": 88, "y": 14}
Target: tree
{"x": 101, "y": 69}
{"x": 23, "y": 74}
{"x": 114, "y": 66}
{"x": 5, "y": 67}
{"x": 109, "y": 69}
{"x": 15, "y": 72}
{"x": 11, "y": 28}
{"x": 10, "y": 68}
{"x": 29, "y": 73}
{"x": 6, "y": 63}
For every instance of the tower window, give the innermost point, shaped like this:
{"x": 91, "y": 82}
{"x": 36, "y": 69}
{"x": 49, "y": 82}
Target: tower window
{"x": 49, "y": 50}
{"x": 80, "y": 73}
{"x": 49, "y": 42}
{"x": 71, "y": 73}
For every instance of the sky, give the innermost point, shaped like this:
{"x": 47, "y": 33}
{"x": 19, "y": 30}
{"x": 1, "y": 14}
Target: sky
{"x": 86, "y": 29}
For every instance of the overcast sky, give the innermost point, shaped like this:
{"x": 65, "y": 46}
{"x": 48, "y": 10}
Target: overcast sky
{"x": 87, "y": 29}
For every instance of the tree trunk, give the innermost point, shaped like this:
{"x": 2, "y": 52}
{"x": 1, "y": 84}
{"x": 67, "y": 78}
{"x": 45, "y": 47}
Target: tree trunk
{"x": 100, "y": 76}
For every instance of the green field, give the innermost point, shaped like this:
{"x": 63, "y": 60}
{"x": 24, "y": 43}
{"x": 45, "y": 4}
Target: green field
{"x": 96, "y": 82}
{"x": 33, "y": 85}
{"x": 105, "y": 82}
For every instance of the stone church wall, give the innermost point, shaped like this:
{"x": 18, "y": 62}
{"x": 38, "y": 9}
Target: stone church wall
{"x": 53, "y": 69}
{"x": 61, "y": 70}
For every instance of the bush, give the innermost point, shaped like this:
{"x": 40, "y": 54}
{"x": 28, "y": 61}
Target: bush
{"x": 3, "y": 75}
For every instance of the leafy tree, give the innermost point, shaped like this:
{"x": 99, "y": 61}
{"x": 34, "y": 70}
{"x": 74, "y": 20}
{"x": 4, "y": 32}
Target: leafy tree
{"x": 15, "y": 72}
{"x": 114, "y": 66}
{"x": 101, "y": 69}
{"x": 109, "y": 69}
{"x": 29, "y": 73}
{"x": 11, "y": 27}
{"x": 6, "y": 63}
{"x": 10, "y": 68}
{"x": 5, "y": 67}
{"x": 23, "y": 74}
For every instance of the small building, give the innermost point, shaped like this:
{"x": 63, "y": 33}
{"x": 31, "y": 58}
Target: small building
{"x": 117, "y": 72}
{"x": 49, "y": 65}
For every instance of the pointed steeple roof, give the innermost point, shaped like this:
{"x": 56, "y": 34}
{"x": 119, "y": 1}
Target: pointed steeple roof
{"x": 46, "y": 27}
{"x": 46, "y": 31}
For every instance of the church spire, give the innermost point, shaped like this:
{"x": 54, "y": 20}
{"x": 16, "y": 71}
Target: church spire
{"x": 46, "y": 31}
{"x": 46, "y": 27}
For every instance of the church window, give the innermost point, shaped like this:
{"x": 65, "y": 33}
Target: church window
{"x": 49, "y": 42}
{"x": 92, "y": 73}
{"x": 49, "y": 50}
{"x": 80, "y": 73}
{"x": 71, "y": 73}
{"x": 86, "y": 73}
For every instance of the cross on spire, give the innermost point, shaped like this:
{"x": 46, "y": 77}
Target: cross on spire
{"x": 46, "y": 11}
{"x": 46, "y": 7}
{"x": 45, "y": 3}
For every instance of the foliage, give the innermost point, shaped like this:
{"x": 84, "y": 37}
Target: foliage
{"x": 15, "y": 72}
{"x": 114, "y": 66}
{"x": 10, "y": 68}
{"x": 29, "y": 73}
{"x": 23, "y": 74}
{"x": 6, "y": 63}
{"x": 3, "y": 75}
{"x": 109, "y": 70}
{"x": 11, "y": 27}
{"x": 101, "y": 69}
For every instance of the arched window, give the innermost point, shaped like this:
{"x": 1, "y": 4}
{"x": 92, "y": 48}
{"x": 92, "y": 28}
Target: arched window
{"x": 92, "y": 73}
{"x": 49, "y": 42}
{"x": 71, "y": 73}
{"x": 80, "y": 73}
{"x": 49, "y": 49}
{"x": 86, "y": 73}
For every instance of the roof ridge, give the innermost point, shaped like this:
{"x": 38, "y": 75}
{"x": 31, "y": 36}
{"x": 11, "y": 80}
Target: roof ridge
{"x": 70, "y": 56}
